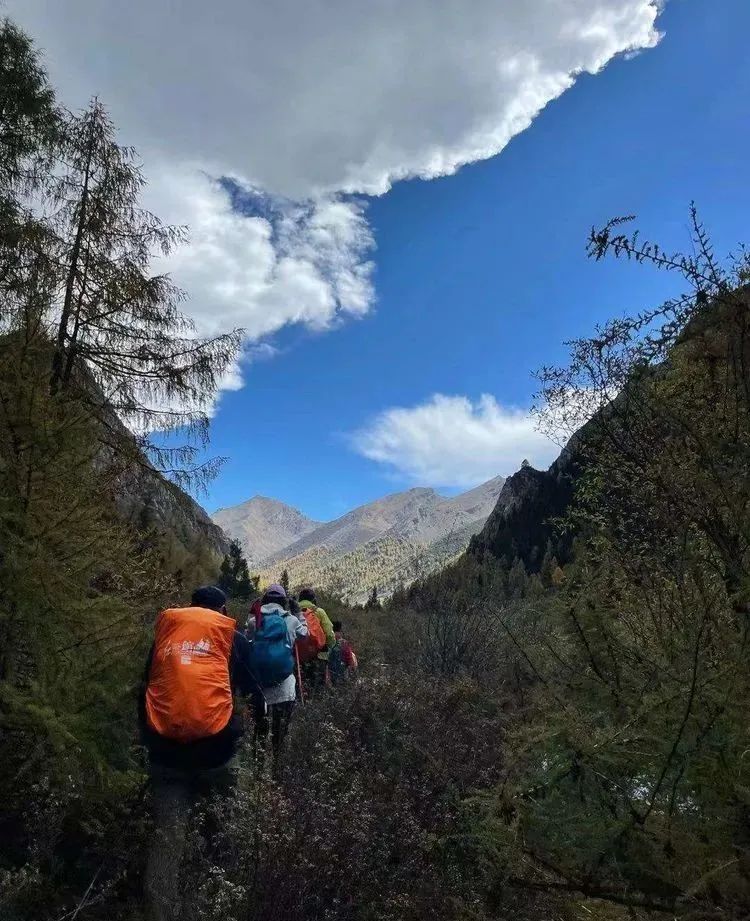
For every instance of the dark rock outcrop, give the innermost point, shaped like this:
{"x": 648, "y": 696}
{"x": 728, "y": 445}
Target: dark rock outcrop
{"x": 524, "y": 519}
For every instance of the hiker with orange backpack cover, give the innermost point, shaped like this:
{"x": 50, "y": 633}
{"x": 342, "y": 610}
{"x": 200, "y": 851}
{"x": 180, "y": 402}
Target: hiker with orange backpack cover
{"x": 190, "y": 727}
{"x": 309, "y": 647}
{"x": 315, "y": 671}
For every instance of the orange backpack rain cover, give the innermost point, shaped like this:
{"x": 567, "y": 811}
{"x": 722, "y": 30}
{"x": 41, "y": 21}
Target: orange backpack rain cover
{"x": 309, "y": 646}
{"x": 189, "y": 696}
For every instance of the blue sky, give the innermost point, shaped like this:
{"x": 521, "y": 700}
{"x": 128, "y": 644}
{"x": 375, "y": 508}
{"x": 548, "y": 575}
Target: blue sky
{"x": 414, "y": 185}
{"x": 481, "y": 276}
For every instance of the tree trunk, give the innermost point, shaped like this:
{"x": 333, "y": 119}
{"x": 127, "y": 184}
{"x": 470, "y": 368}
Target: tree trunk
{"x": 58, "y": 358}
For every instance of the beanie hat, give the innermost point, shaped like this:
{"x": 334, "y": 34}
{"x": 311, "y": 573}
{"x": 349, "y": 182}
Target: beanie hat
{"x": 209, "y": 596}
{"x": 275, "y": 591}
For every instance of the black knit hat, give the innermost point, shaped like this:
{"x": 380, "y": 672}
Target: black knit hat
{"x": 209, "y": 596}
{"x": 308, "y": 594}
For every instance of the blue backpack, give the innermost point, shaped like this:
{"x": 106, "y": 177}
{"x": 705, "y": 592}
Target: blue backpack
{"x": 271, "y": 654}
{"x": 336, "y": 664}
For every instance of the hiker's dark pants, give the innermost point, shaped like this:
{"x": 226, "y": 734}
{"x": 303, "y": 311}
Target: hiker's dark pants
{"x": 277, "y": 720}
{"x": 314, "y": 676}
{"x": 175, "y": 794}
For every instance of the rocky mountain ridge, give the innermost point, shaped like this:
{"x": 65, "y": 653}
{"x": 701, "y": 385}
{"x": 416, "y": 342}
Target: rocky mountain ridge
{"x": 523, "y": 522}
{"x": 263, "y": 526}
{"x": 383, "y": 543}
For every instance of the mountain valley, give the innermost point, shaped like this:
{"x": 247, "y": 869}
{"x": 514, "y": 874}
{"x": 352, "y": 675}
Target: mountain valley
{"x": 381, "y": 544}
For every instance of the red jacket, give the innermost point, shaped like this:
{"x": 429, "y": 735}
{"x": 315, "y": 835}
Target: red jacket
{"x": 255, "y": 611}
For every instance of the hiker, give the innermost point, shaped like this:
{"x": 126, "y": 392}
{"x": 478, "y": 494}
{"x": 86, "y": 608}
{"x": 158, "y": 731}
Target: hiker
{"x": 308, "y": 647}
{"x": 316, "y": 671}
{"x": 190, "y": 727}
{"x": 273, "y": 661}
{"x": 342, "y": 660}
{"x": 254, "y": 617}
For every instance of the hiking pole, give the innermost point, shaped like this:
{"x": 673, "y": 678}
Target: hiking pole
{"x": 299, "y": 676}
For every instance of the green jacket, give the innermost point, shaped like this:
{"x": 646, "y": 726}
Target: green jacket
{"x": 325, "y": 623}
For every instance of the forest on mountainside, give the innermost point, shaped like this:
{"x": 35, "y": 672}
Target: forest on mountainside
{"x": 385, "y": 561}
{"x": 553, "y": 726}
{"x": 623, "y": 671}
{"x": 388, "y": 542}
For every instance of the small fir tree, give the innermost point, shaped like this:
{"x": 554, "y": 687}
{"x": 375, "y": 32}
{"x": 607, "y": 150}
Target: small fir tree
{"x": 517, "y": 579}
{"x": 235, "y": 579}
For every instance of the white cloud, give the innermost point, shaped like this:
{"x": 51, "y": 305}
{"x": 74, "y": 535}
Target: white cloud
{"x": 452, "y": 441}
{"x": 296, "y": 264}
{"x": 329, "y": 95}
{"x": 311, "y": 100}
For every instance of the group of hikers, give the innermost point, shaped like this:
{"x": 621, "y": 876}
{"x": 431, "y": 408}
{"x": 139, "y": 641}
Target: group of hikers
{"x": 202, "y": 676}
{"x": 311, "y": 655}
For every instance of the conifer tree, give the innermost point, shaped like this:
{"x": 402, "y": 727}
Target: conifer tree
{"x": 545, "y": 571}
{"x": 89, "y": 339}
{"x": 284, "y": 580}
{"x": 373, "y": 601}
{"x": 29, "y": 126}
{"x": 121, "y": 341}
{"x": 517, "y": 579}
{"x": 235, "y": 578}
{"x": 558, "y": 576}
{"x": 29, "y": 119}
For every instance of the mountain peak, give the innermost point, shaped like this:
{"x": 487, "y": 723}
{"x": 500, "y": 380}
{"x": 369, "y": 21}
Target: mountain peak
{"x": 257, "y": 500}
{"x": 263, "y": 526}
{"x": 375, "y": 542}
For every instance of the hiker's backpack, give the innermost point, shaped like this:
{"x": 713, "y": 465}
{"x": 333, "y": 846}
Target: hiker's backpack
{"x": 348, "y": 654}
{"x": 340, "y": 659}
{"x": 309, "y": 646}
{"x": 189, "y": 695}
{"x": 271, "y": 657}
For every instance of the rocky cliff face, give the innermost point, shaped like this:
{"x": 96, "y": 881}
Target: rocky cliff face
{"x": 523, "y": 521}
{"x": 151, "y": 502}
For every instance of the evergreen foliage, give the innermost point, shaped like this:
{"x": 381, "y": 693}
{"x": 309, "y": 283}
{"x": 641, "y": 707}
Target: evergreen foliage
{"x": 89, "y": 341}
{"x": 624, "y": 776}
{"x": 234, "y": 578}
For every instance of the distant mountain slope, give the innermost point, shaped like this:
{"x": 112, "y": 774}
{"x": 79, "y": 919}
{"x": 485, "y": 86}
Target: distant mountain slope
{"x": 151, "y": 502}
{"x": 402, "y": 511}
{"x": 417, "y": 516}
{"x": 385, "y": 562}
{"x": 263, "y": 526}
{"x": 385, "y": 543}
